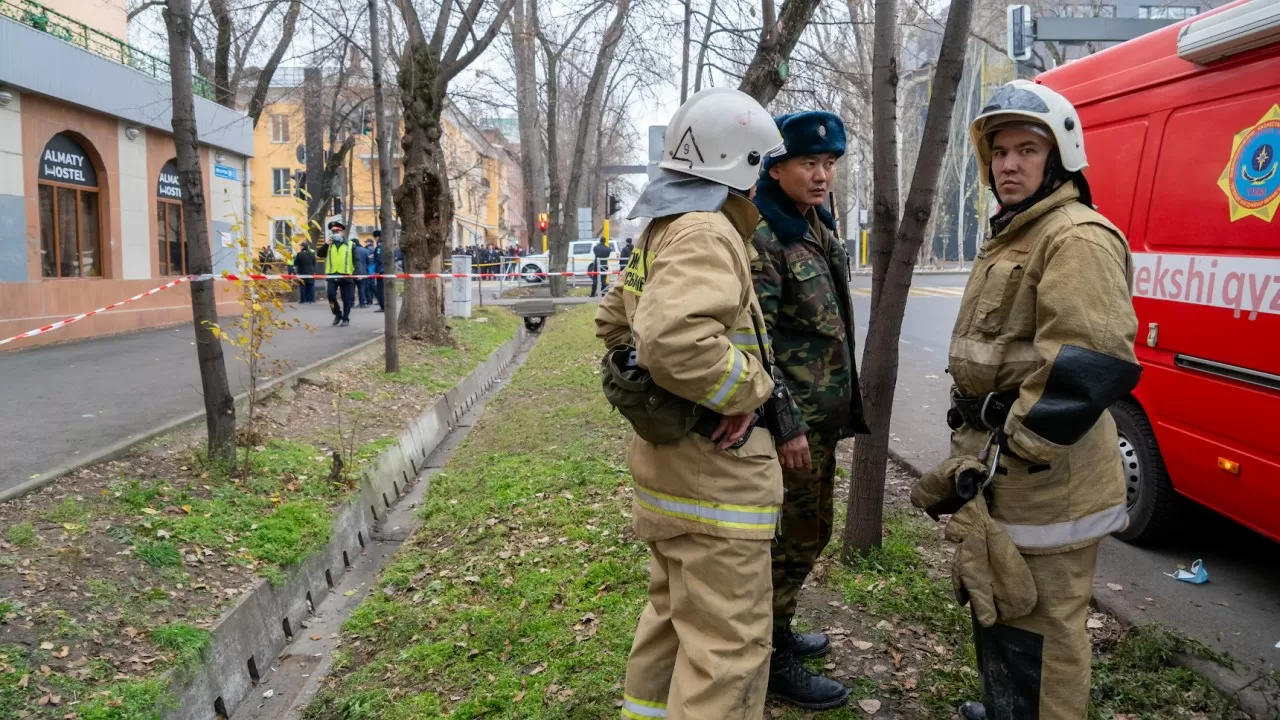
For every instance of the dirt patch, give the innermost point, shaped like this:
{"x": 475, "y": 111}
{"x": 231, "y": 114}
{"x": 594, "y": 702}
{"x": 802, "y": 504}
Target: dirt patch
{"x": 116, "y": 572}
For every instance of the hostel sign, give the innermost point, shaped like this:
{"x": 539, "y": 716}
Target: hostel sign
{"x": 64, "y": 161}
{"x": 169, "y": 187}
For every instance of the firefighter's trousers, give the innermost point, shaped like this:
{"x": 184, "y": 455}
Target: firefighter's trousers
{"x": 1038, "y": 667}
{"x": 702, "y": 646}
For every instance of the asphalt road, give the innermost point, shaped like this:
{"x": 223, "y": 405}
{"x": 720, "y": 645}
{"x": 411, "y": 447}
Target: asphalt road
{"x": 1237, "y": 611}
{"x": 64, "y": 400}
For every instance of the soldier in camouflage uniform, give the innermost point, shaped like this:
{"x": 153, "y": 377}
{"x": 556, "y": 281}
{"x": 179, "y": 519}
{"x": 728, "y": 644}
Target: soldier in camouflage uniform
{"x": 801, "y": 276}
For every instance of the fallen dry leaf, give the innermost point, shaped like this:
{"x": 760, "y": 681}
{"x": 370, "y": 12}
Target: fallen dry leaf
{"x": 1093, "y": 624}
{"x": 860, "y": 644}
{"x": 315, "y": 637}
{"x": 46, "y": 646}
{"x": 870, "y": 707}
{"x": 1114, "y": 587}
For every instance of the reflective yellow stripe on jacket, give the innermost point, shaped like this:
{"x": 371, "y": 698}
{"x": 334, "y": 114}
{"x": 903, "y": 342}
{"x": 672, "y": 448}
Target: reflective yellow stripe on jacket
{"x": 734, "y": 372}
{"x": 745, "y": 339}
{"x": 739, "y": 517}
{"x": 638, "y": 709}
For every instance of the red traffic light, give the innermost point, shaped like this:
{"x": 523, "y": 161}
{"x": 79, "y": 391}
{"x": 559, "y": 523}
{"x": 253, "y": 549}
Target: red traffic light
{"x": 542, "y": 221}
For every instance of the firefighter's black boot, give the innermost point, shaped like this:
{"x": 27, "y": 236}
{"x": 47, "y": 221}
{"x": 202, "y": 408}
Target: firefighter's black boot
{"x": 973, "y": 711}
{"x": 792, "y": 682}
{"x": 807, "y": 645}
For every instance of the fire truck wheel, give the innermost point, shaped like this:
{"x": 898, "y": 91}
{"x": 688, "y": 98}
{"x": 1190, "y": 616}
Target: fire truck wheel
{"x": 530, "y": 272}
{"x": 1152, "y": 503}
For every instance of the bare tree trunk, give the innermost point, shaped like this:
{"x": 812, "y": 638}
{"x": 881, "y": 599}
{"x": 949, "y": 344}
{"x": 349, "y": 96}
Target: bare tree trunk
{"x": 219, "y": 404}
{"x": 424, "y": 200}
{"x": 593, "y": 105}
{"x": 893, "y": 265}
{"x": 532, "y": 161}
{"x": 702, "y": 47}
{"x": 557, "y": 218}
{"x": 763, "y": 78}
{"x": 386, "y": 222}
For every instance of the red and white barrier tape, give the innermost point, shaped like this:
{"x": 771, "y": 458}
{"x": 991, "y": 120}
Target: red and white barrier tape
{"x": 414, "y": 276}
{"x": 256, "y": 277}
{"x": 81, "y": 316}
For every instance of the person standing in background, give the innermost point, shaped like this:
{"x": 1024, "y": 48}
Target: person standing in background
{"x": 304, "y": 262}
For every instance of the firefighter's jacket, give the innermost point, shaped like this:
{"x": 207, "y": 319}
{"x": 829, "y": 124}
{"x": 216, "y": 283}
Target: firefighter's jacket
{"x": 686, "y": 305}
{"x": 1047, "y": 312}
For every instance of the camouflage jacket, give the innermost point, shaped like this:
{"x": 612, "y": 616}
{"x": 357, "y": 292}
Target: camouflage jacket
{"x": 801, "y": 276}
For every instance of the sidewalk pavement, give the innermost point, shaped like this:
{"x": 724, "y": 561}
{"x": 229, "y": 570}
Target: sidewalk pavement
{"x": 73, "y": 400}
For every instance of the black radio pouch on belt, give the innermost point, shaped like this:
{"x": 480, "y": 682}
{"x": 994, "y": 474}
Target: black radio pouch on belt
{"x": 778, "y": 411}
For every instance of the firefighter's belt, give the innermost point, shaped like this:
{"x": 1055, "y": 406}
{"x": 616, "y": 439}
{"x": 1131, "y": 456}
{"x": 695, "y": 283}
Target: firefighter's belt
{"x": 986, "y": 413}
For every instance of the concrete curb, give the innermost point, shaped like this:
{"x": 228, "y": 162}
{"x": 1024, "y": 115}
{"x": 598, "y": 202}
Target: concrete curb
{"x": 249, "y": 637}
{"x": 1225, "y": 680}
{"x": 118, "y": 448}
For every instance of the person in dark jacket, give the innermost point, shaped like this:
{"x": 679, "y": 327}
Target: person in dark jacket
{"x": 600, "y": 283}
{"x": 305, "y": 264}
{"x": 624, "y": 256}
{"x": 361, "y": 256}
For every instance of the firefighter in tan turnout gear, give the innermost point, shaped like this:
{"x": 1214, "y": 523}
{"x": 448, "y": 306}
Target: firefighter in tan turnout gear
{"x": 682, "y": 333}
{"x": 1043, "y": 344}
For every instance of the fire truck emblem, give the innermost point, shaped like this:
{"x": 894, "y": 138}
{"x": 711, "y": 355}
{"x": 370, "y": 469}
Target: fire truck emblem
{"x": 1251, "y": 179}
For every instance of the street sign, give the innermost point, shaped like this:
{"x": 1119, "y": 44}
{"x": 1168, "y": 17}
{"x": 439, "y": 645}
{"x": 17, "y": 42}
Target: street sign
{"x": 1021, "y": 32}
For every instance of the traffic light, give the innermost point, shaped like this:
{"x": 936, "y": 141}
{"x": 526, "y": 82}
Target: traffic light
{"x": 1019, "y": 32}
{"x": 613, "y": 205}
{"x": 366, "y": 122}
{"x": 542, "y": 222}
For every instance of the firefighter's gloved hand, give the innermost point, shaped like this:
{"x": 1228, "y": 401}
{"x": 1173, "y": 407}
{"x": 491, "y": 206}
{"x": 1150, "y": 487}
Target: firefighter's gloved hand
{"x": 987, "y": 570}
{"x": 948, "y": 486}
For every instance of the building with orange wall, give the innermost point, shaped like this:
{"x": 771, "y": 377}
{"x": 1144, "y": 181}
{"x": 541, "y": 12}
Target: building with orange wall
{"x": 90, "y": 210}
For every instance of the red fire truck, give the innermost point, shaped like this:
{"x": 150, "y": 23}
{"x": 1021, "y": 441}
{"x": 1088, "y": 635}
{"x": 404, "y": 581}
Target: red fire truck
{"x": 1182, "y": 129}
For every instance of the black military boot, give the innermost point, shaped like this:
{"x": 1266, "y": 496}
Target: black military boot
{"x": 793, "y": 683}
{"x": 973, "y": 711}
{"x": 807, "y": 645}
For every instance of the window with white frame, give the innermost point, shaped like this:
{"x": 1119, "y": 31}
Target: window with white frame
{"x": 281, "y": 233}
{"x": 281, "y": 181}
{"x": 280, "y": 128}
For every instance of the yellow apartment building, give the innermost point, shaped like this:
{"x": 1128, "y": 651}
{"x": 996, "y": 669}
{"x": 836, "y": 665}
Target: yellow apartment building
{"x": 477, "y": 173}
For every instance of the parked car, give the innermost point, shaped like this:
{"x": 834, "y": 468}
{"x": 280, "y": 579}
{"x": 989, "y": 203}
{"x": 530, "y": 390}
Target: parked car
{"x": 580, "y": 259}
{"x": 1182, "y": 126}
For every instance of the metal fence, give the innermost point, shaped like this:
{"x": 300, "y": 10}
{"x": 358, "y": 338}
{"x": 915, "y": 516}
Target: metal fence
{"x": 34, "y": 15}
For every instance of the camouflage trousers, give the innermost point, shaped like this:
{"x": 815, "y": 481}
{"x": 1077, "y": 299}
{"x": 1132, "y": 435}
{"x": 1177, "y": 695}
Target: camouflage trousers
{"x": 807, "y": 516}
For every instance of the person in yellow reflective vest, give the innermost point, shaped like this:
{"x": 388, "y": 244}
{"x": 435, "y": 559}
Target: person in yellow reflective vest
{"x": 707, "y": 500}
{"x": 338, "y": 261}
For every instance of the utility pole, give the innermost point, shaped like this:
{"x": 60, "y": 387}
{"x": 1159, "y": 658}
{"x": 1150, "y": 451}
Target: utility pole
{"x": 385, "y": 220}
{"x": 318, "y": 199}
{"x": 684, "y": 64}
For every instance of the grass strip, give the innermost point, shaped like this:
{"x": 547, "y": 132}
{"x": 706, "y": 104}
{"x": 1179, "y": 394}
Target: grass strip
{"x": 519, "y": 596}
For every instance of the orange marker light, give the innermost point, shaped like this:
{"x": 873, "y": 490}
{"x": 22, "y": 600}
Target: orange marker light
{"x": 1230, "y": 466}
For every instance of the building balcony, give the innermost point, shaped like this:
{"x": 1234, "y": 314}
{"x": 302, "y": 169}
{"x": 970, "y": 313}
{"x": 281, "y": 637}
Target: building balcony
{"x": 39, "y": 17}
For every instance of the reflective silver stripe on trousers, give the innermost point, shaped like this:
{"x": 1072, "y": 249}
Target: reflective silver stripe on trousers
{"x": 990, "y": 353}
{"x": 1088, "y": 527}
{"x": 731, "y": 381}
{"x": 712, "y": 515}
{"x": 643, "y": 710}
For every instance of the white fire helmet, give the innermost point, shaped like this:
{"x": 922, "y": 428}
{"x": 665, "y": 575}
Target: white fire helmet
{"x": 1023, "y": 103}
{"x": 721, "y": 135}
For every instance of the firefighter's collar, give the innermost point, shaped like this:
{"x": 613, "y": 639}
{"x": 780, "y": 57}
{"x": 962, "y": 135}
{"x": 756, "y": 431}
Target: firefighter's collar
{"x": 1063, "y": 195}
{"x": 782, "y": 215}
{"x": 742, "y": 214}
{"x": 674, "y": 193}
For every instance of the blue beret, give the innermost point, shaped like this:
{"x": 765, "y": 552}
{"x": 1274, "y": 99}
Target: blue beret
{"x": 809, "y": 133}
